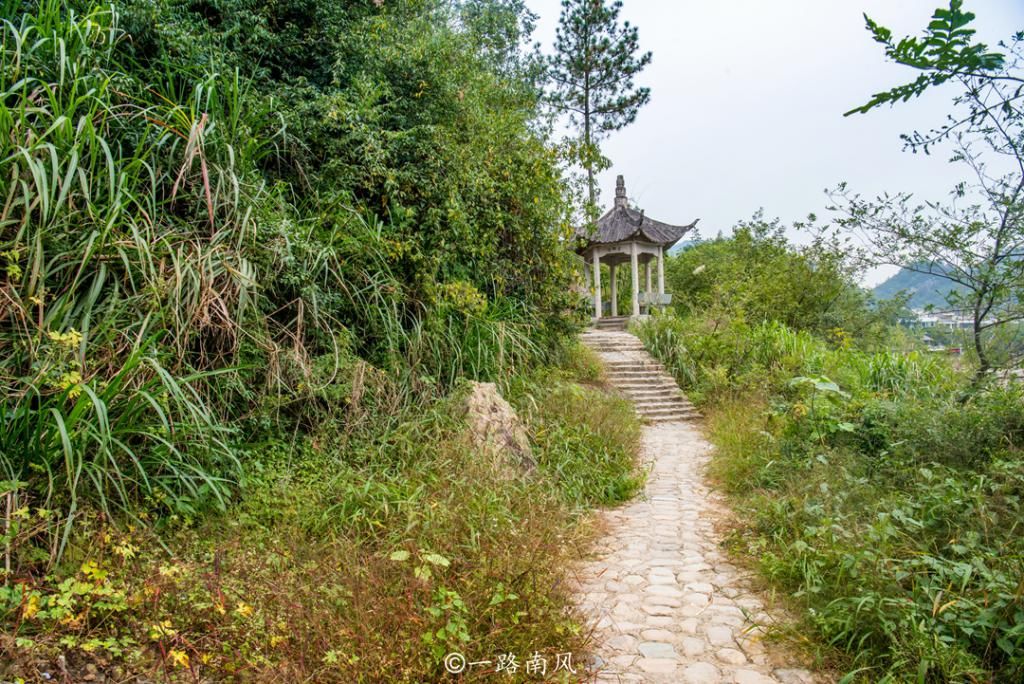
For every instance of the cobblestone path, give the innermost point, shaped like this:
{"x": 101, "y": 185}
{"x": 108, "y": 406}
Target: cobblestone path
{"x": 667, "y": 604}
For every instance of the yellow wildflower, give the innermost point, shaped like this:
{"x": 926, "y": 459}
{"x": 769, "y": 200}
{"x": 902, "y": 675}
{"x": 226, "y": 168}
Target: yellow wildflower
{"x": 177, "y": 657}
{"x": 32, "y": 607}
{"x": 159, "y": 631}
{"x": 71, "y": 339}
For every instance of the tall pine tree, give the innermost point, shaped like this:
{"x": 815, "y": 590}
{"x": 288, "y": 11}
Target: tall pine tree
{"x": 592, "y": 74}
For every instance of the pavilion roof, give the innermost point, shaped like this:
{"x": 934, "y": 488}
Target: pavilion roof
{"x": 622, "y": 224}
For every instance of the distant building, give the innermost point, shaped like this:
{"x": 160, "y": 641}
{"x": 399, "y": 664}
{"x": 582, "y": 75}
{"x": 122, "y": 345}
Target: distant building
{"x": 950, "y": 320}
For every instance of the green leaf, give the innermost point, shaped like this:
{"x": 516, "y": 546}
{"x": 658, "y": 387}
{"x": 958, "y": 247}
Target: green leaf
{"x": 436, "y": 559}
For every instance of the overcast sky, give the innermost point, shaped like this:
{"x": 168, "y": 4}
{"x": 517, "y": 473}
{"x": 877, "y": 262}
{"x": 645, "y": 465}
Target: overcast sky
{"x": 747, "y": 106}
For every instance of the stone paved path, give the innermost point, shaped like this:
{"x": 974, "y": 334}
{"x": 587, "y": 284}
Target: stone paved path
{"x": 667, "y": 604}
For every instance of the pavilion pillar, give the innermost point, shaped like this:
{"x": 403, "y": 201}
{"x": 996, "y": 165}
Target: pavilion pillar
{"x": 636, "y": 277}
{"x": 613, "y": 272}
{"x": 596, "y": 268}
{"x": 649, "y": 290}
{"x": 661, "y": 270}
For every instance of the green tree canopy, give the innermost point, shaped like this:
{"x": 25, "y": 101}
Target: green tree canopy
{"x": 758, "y": 275}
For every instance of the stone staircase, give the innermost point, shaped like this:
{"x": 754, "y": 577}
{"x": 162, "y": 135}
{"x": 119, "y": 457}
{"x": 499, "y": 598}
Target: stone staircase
{"x": 612, "y": 323}
{"x": 632, "y": 371}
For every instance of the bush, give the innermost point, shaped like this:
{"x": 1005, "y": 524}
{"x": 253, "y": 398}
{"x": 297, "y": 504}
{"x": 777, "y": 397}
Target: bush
{"x": 758, "y": 275}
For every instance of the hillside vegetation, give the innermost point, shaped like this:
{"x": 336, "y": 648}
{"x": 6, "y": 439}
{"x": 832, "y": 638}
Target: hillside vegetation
{"x": 249, "y": 254}
{"x": 880, "y": 491}
{"x": 924, "y": 290}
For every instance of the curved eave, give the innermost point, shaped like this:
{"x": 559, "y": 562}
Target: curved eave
{"x": 648, "y": 230}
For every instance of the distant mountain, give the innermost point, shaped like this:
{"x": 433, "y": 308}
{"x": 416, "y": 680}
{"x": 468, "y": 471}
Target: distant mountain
{"x": 924, "y": 289}
{"x": 680, "y": 246}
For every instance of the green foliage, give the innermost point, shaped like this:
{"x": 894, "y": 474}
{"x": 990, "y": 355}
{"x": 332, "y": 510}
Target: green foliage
{"x": 586, "y": 440}
{"x": 884, "y": 496}
{"x": 117, "y": 294}
{"x": 249, "y": 251}
{"x": 945, "y": 52}
{"x": 758, "y": 275}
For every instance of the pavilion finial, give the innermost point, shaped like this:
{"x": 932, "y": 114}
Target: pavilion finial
{"x": 620, "y": 193}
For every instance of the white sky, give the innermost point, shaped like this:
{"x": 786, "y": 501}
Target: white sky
{"x": 747, "y": 102}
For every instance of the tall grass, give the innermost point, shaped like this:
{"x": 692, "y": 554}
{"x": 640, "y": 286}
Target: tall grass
{"x": 725, "y": 358}
{"x": 121, "y": 234}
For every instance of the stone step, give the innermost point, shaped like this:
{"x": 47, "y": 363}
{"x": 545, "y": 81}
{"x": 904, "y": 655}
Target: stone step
{"x": 639, "y": 378}
{"x": 649, "y": 391}
{"x": 661, "y": 405}
{"x": 669, "y": 411}
{"x": 646, "y": 370}
{"x": 660, "y": 400}
{"x": 671, "y": 418}
{"x": 640, "y": 387}
{"x": 665, "y": 405}
{"x": 680, "y": 406}
{"x": 677, "y": 413}
{"x": 652, "y": 380}
{"x": 632, "y": 364}
{"x": 675, "y": 404}
{"x": 646, "y": 373}
{"x": 653, "y": 372}
{"x": 677, "y": 399}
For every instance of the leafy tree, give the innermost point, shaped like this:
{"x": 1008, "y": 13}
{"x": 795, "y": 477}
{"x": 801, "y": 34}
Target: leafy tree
{"x": 421, "y": 113}
{"x": 757, "y": 275}
{"x": 976, "y": 241}
{"x": 501, "y": 27}
{"x": 592, "y": 71}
